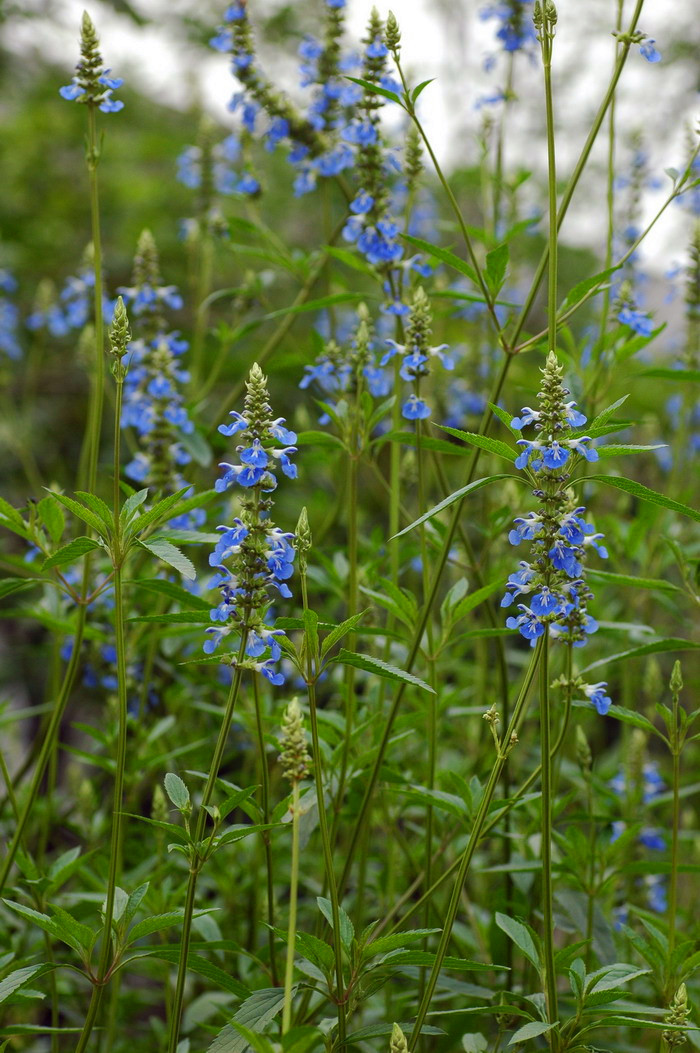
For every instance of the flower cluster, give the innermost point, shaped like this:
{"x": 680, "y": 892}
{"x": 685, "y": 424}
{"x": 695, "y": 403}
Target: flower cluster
{"x": 416, "y": 355}
{"x": 92, "y": 83}
{"x": 558, "y": 533}
{"x": 348, "y": 363}
{"x": 9, "y": 317}
{"x": 515, "y": 31}
{"x": 153, "y": 402}
{"x": 73, "y": 307}
{"x": 215, "y": 164}
{"x": 253, "y": 556}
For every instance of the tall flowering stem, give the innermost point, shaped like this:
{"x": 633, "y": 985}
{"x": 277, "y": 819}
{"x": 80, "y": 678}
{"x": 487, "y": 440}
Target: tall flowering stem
{"x": 252, "y": 558}
{"x": 295, "y": 762}
{"x": 554, "y": 578}
{"x": 545, "y": 18}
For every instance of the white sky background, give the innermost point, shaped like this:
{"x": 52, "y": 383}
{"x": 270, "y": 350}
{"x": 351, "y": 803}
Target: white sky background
{"x": 446, "y": 39}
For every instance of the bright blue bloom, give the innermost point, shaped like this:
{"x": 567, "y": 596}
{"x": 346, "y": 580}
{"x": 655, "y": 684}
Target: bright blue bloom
{"x": 9, "y": 318}
{"x": 637, "y": 320}
{"x": 415, "y": 409}
{"x": 595, "y": 693}
{"x": 649, "y": 51}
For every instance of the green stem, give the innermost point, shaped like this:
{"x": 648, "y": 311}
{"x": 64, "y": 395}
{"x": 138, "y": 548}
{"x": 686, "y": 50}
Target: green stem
{"x": 292, "y": 927}
{"x": 417, "y": 904}
{"x": 206, "y": 262}
{"x": 325, "y": 835}
{"x": 474, "y": 837}
{"x": 485, "y": 291}
{"x": 265, "y": 788}
{"x": 47, "y": 745}
{"x": 549, "y": 974}
{"x": 97, "y": 401}
{"x": 328, "y": 863}
{"x": 420, "y": 629}
{"x": 578, "y": 171}
{"x": 197, "y": 859}
{"x": 675, "y": 830}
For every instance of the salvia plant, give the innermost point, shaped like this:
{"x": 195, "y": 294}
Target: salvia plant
{"x": 382, "y": 734}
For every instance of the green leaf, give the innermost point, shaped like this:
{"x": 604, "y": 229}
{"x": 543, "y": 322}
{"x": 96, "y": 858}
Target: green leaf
{"x": 20, "y": 977}
{"x": 177, "y": 791}
{"x": 310, "y": 620}
{"x": 468, "y": 603}
{"x": 501, "y": 449}
{"x": 172, "y": 591}
{"x": 196, "y": 963}
{"x": 521, "y": 936}
{"x": 52, "y": 517}
{"x": 318, "y": 438}
{"x": 98, "y": 506}
{"x": 420, "y": 89}
{"x": 157, "y": 513}
{"x": 347, "y": 929}
{"x": 425, "y": 442}
{"x": 86, "y": 514}
{"x": 607, "y": 577}
{"x": 10, "y": 585}
{"x": 174, "y": 618}
{"x": 622, "y": 451}
{"x": 73, "y": 934}
{"x": 656, "y": 647}
{"x": 340, "y": 631}
{"x": 398, "y": 940}
{"x": 496, "y": 265}
{"x": 643, "y": 493}
{"x": 256, "y": 1013}
{"x": 157, "y": 923}
{"x": 456, "y": 496}
{"x": 445, "y": 256}
{"x": 131, "y": 506}
{"x": 504, "y": 417}
{"x": 531, "y": 1030}
{"x": 170, "y": 555}
{"x": 605, "y": 415}
{"x": 581, "y": 290}
{"x": 681, "y": 375}
{"x": 259, "y": 1043}
{"x": 378, "y": 1030}
{"x": 71, "y": 552}
{"x": 630, "y": 716}
{"x": 316, "y": 951}
{"x": 383, "y": 669}
{"x": 374, "y": 89}
{"x": 12, "y": 520}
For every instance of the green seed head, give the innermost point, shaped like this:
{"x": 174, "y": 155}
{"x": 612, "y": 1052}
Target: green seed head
{"x": 676, "y": 683}
{"x": 294, "y": 758}
{"x": 398, "y": 1041}
{"x": 392, "y": 35}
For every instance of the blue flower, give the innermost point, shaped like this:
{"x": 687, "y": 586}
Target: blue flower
{"x": 415, "y": 409}
{"x": 595, "y": 693}
{"x": 638, "y": 321}
{"x": 649, "y": 51}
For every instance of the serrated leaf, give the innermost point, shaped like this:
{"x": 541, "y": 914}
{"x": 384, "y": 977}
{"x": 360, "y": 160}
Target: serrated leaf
{"x": 383, "y": 669}
{"x": 131, "y": 506}
{"x": 378, "y": 1030}
{"x": 347, "y": 929}
{"x": 445, "y": 256}
{"x": 501, "y": 449}
{"x": 51, "y": 515}
{"x": 157, "y": 513}
{"x": 173, "y": 591}
{"x": 656, "y": 647}
{"x": 520, "y": 936}
{"x": 71, "y": 552}
{"x": 496, "y": 266}
{"x": 375, "y": 89}
{"x": 581, "y": 290}
{"x": 339, "y": 631}
{"x": 86, "y": 514}
{"x": 196, "y": 963}
{"x": 256, "y": 1012}
{"x": 456, "y": 496}
{"x": 20, "y": 977}
{"x": 607, "y": 577}
{"x": 316, "y": 951}
{"x": 98, "y": 506}
{"x": 10, "y": 585}
{"x": 605, "y": 415}
{"x": 612, "y": 450}
{"x": 177, "y": 791}
{"x": 396, "y": 941}
{"x": 643, "y": 493}
{"x": 531, "y": 1030}
{"x": 170, "y": 555}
